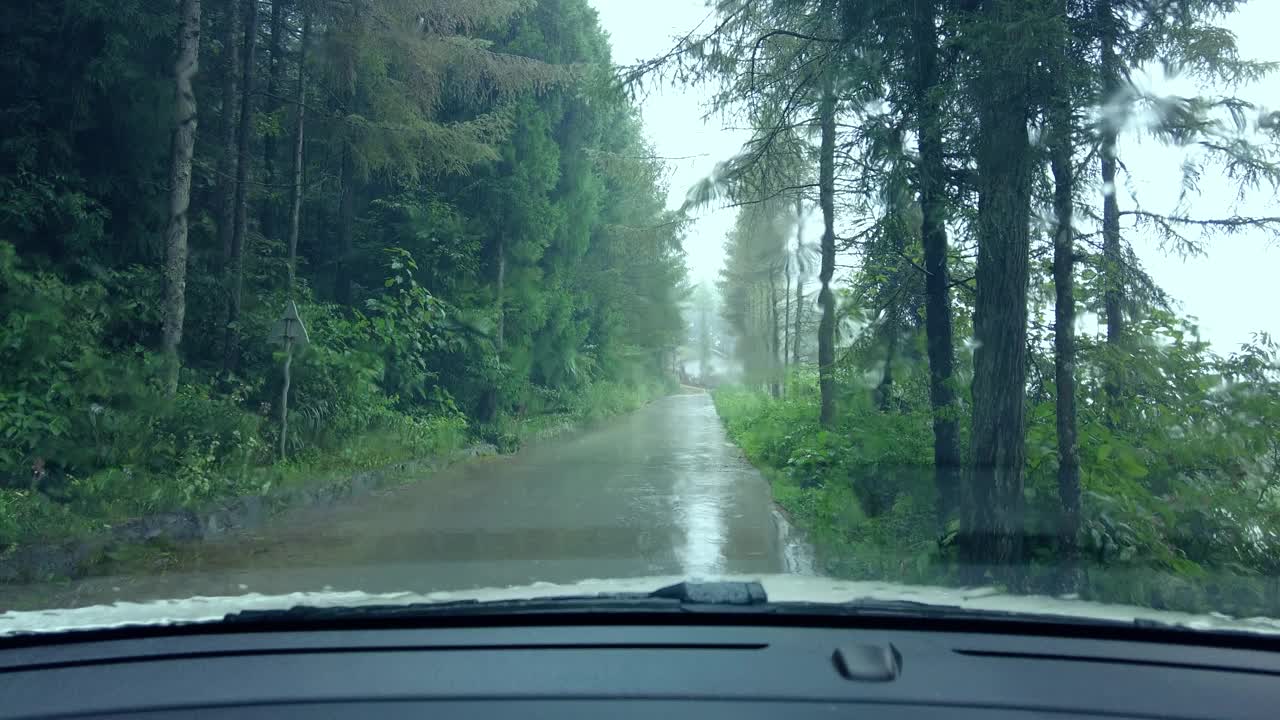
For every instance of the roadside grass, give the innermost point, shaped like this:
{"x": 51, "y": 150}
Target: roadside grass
{"x": 862, "y": 493}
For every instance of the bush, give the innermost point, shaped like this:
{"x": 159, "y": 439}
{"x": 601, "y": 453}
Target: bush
{"x": 863, "y": 492}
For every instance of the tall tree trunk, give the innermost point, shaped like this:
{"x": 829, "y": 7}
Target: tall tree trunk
{"x": 275, "y": 77}
{"x": 795, "y": 345}
{"x": 347, "y": 203}
{"x": 231, "y": 357}
{"x": 826, "y": 192}
{"x": 884, "y": 391}
{"x": 181, "y": 148}
{"x": 227, "y": 159}
{"x": 775, "y": 381}
{"x": 939, "y": 340}
{"x": 991, "y": 534}
{"x": 1112, "y": 254}
{"x": 299, "y": 146}
{"x": 346, "y": 226}
{"x": 491, "y": 402}
{"x": 704, "y": 346}
{"x": 786, "y": 321}
{"x": 500, "y": 289}
{"x": 1064, "y": 334}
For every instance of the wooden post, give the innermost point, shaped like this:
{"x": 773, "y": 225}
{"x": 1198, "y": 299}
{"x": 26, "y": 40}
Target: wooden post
{"x": 284, "y": 397}
{"x": 288, "y": 330}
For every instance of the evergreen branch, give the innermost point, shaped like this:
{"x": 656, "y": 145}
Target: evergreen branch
{"x": 1232, "y": 223}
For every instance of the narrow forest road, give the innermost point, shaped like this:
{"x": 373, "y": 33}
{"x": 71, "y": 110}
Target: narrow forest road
{"x": 661, "y": 491}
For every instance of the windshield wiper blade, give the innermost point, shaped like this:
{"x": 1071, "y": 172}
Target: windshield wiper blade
{"x": 700, "y": 598}
{"x": 680, "y": 597}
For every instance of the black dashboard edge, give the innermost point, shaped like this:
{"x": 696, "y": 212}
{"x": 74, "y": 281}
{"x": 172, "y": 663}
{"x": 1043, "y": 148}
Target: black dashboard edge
{"x": 703, "y": 617}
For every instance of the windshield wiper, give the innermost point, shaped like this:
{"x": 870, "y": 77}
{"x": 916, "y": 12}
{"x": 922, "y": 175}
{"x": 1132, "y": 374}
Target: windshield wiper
{"x": 705, "y": 600}
{"x": 685, "y": 596}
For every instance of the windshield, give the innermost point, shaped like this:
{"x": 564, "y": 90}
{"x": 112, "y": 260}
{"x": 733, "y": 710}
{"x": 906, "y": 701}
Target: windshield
{"x": 429, "y": 296}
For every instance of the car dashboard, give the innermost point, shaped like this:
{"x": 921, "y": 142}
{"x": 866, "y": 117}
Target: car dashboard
{"x": 699, "y": 666}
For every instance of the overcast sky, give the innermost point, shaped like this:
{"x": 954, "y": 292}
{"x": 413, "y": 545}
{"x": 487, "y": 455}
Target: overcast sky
{"x": 1234, "y": 291}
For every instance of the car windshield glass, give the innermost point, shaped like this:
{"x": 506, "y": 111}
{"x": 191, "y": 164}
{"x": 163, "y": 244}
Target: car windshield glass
{"x": 332, "y": 299}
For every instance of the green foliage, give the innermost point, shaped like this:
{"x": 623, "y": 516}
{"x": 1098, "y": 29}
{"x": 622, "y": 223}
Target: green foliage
{"x": 863, "y": 491}
{"x": 492, "y": 124}
{"x": 1180, "y": 501}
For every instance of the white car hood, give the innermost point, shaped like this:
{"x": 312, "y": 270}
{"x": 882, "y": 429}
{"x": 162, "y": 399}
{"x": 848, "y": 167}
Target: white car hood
{"x": 780, "y": 588}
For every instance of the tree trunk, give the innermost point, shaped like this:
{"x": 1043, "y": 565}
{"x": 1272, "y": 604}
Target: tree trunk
{"x": 775, "y": 384}
{"x": 939, "y": 342}
{"x": 346, "y": 227}
{"x": 181, "y": 148}
{"x": 227, "y": 158}
{"x": 704, "y": 347}
{"x": 1064, "y": 336}
{"x": 500, "y": 290}
{"x": 795, "y": 345}
{"x": 347, "y": 203}
{"x": 991, "y": 535}
{"x": 491, "y": 400}
{"x": 299, "y": 146}
{"x": 826, "y": 191}
{"x": 786, "y": 321}
{"x": 275, "y": 76}
{"x": 1112, "y": 256}
{"x": 231, "y": 358}
{"x": 884, "y": 391}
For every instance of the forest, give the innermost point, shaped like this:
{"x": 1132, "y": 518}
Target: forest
{"x": 945, "y": 411}
{"x": 244, "y": 243}
{"x": 454, "y": 198}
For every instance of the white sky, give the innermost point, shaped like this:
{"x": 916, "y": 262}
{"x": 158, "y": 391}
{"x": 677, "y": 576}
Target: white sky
{"x": 1234, "y": 291}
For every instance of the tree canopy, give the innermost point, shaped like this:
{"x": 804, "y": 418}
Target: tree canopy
{"x": 457, "y": 195}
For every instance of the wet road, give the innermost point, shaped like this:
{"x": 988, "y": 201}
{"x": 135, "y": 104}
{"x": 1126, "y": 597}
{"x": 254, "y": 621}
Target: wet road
{"x": 657, "y": 492}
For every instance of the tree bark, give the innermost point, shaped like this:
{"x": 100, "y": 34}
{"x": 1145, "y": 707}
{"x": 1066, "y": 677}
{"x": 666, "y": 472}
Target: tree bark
{"x": 775, "y": 384}
{"x": 795, "y": 345}
{"x": 275, "y": 78}
{"x": 826, "y": 191}
{"x": 231, "y": 357}
{"x": 346, "y": 227}
{"x": 299, "y": 147}
{"x": 991, "y": 534}
{"x": 884, "y": 391}
{"x": 786, "y": 320}
{"x": 704, "y": 344}
{"x": 347, "y": 203}
{"x": 227, "y": 159}
{"x": 1064, "y": 337}
{"x": 1112, "y": 254}
{"x": 492, "y": 401}
{"x": 939, "y": 340}
{"x": 499, "y": 302}
{"x": 181, "y": 149}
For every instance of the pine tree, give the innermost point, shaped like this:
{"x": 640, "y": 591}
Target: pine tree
{"x": 181, "y": 149}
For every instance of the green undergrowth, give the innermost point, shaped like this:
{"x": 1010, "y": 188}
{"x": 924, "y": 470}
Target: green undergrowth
{"x": 555, "y": 413}
{"x": 863, "y": 493}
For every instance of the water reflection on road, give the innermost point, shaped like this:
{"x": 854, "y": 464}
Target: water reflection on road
{"x": 658, "y": 492}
